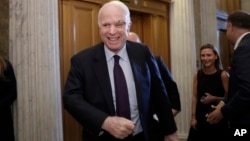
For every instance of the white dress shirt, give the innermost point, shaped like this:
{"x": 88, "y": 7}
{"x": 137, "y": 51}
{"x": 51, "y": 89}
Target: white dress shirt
{"x": 126, "y": 67}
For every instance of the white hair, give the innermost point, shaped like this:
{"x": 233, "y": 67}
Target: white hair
{"x": 120, "y": 5}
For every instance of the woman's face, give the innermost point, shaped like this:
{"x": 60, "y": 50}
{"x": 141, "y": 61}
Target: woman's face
{"x": 208, "y": 57}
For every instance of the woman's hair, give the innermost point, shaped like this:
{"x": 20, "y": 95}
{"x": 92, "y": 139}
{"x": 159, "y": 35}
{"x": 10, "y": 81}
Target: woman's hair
{"x": 217, "y": 63}
{"x": 3, "y": 66}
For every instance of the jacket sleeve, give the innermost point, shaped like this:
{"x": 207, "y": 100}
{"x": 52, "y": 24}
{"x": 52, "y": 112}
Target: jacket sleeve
{"x": 10, "y": 87}
{"x": 170, "y": 84}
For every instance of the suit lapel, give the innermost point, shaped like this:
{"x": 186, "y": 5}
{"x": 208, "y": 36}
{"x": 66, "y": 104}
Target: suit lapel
{"x": 142, "y": 80}
{"x": 136, "y": 69}
{"x": 101, "y": 71}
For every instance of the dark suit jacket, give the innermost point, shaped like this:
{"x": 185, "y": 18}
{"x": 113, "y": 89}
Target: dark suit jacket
{"x": 238, "y": 100}
{"x": 8, "y": 94}
{"x": 170, "y": 84}
{"x": 88, "y": 95}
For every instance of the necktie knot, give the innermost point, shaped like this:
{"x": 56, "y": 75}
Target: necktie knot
{"x": 116, "y": 57}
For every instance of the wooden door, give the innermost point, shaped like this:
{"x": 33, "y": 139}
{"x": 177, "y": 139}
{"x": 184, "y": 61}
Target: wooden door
{"x": 224, "y": 8}
{"x": 226, "y": 50}
{"x": 79, "y": 31}
{"x": 137, "y": 21}
{"x": 153, "y": 30}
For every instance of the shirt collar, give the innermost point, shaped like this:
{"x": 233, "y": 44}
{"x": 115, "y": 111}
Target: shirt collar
{"x": 239, "y": 39}
{"x": 122, "y": 53}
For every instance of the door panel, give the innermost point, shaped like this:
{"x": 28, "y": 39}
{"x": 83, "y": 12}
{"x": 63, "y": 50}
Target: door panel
{"x": 79, "y": 31}
{"x": 226, "y": 49}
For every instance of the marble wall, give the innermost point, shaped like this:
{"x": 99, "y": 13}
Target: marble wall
{"x": 183, "y": 66}
{"x": 34, "y": 53}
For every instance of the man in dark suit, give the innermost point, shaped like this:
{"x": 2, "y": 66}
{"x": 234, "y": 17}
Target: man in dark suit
{"x": 235, "y": 107}
{"x": 167, "y": 78}
{"x": 171, "y": 86}
{"x": 90, "y": 94}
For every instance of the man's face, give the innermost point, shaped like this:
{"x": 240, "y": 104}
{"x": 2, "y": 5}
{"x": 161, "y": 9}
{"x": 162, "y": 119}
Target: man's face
{"x": 113, "y": 28}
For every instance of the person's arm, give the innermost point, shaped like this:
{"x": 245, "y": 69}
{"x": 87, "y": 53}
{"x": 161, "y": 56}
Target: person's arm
{"x": 194, "y": 103}
{"x": 170, "y": 85}
{"x": 74, "y": 97}
{"x": 11, "y": 85}
{"x": 172, "y": 137}
{"x": 160, "y": 100}
{"x": 119, "y": 127}
{"x": 225, "y": 81}
{"x": 208, "y": 98}
{"x": 239, "y": 84}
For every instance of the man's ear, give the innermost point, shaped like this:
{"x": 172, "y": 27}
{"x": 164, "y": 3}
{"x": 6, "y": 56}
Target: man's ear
{"x": 129, "y": 26}
{"x": 229, "y": 26}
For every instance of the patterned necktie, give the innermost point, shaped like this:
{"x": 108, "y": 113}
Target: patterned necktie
{"x": 121, "y": 91}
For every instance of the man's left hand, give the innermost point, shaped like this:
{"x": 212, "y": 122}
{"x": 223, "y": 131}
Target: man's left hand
{"x": 215, "y": 116}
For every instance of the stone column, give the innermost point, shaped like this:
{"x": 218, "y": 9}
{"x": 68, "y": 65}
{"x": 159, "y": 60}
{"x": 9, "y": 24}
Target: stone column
{"x": 208, "y": 24}
{"x": 205, "y": 25}
{"x": 183, "y": 65}
{"x": 34, "y": 52}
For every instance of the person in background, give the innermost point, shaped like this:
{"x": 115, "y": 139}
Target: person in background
{"x": 167, "y": 78}
{"x": 8, "y": 94}
{"x": 132, "y": 36}
{"x": 210, "y": 85}
{"x": 90, "y": 92}
{"x": 235, "y": 107}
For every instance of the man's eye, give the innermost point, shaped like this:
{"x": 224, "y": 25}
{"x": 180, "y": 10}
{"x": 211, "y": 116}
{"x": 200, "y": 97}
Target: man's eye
{"x": 106, "y": 25}
{"x": 120, "y": 24}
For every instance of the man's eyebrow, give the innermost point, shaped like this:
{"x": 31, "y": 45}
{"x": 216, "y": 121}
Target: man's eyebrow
{"x": 121, "y": 21}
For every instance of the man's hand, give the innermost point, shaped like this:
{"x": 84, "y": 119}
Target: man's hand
{"x": 215, "y": 116}
{"x": 207, "y": 98}
{"x": 193, "y": 123}
{"x": 119, "y": 127}
{"x": 175, "y": 112}
{"x": 171, "y": 137}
